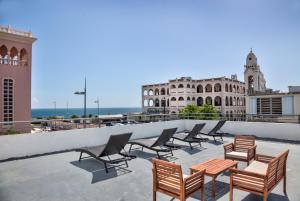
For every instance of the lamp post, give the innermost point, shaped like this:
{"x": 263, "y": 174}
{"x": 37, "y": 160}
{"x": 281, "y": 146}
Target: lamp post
{"x": 84, "y": 106}
{"x": 98, "y": 102}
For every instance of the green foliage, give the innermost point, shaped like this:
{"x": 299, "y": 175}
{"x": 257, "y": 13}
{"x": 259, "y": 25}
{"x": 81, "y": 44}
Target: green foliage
{"x": 74, "y": 116}
{"x": 90, "y": 115}
{"x": 205, "y": 112}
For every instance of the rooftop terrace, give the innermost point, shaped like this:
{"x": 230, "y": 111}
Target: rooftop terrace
{"x": 62, "y": 177}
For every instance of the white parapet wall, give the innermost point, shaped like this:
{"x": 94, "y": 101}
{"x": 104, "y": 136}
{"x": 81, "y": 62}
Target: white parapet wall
{"x": 280, "y": 131}
{"x": 22, "y": 145}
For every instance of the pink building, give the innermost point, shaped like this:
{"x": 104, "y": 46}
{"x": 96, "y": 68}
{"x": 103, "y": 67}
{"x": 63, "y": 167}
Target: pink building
{"x": 15, "y": 79}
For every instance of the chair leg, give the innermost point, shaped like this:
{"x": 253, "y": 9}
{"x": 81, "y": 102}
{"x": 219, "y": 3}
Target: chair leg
{"x": 202, "y": 193}
{"x": 126, "y": 163}
{"x": 231, "y": 192}
{"x": 215, "y": 140}
{"x": 222, "y": 138}
{"x": 171, "y": 152}
{"x": 142, "y": 148}
{"x": 191, "y": 146}
{"x": 80, "y": 156}
{"x": 157, "y": 155}
{"x": 200, "y": 144}
{"x": 284, "y": 184}
{"x": 130, "y": 148}
{"x": 154, "y": 195}
{"x": 106, "y": 169}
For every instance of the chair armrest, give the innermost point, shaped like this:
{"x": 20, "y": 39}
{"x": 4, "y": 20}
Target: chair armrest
{"x": 263, "y": 158}
{"x": 252, "y": 151}
{"x": 235, "y": 172}
{"x": 194, "y": 181}
{"x": 228, "y": 147}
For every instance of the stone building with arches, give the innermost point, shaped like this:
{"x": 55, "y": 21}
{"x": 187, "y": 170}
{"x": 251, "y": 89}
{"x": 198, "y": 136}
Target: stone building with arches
{"x": 15, "y": 79}
{"x": 226, "y": 94}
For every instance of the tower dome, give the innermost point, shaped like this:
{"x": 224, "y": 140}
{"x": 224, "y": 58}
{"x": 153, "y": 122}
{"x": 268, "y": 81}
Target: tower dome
{"x": 251, "y": 59}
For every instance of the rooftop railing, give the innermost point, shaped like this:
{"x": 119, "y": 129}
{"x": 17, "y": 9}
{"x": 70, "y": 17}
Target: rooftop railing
{"x": 49, "y": 125}
{"x": 15, "y": 31}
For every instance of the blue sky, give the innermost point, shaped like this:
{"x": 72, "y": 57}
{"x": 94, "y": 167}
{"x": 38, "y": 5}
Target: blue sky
{"x": 120, "y": 45}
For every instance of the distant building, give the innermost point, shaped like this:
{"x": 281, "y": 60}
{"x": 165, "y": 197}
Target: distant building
{"x": 263, "y": 101}
{"x": 15, "y": 79}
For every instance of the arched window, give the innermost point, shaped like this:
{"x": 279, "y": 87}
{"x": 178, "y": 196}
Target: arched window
{"x": 180, "y": 86}
{"x": 168, "y": 103}
{"x": 151, "y": 103}
{"x": 156, "y": 103}
{"x": 199, "y": 88}
{"x": 173, "y": 86}
{"x": 226, "y": 87}
{"x": 193, "y": 86}
{"x": 230, "y": 88}
{"x": 208, "y": 100}
{"x": 234, "y": 101}
{"x": 150, "y": 92}
{"x": 193, "y": 99}
{"x": 218, "y": 87}
{"x": 180, "y": 98}
{"x": 173, "y": 99}
{"x": 237, "y": 89}
{"x": 156, "y": 92}
{"x": 243, "y": 90}
{"x": 3, "y": 55}
{"x": 251, "y": 83}
{"x": 226, "y": 101}
{"x": 233, "y": 89}
{"x": 188, "y": 98}
{"x": 23, "y": 57}
{"x": 146, "y": 103}
{"x": 218, "y": 101}
{"x": 14, "y": 56}
{"x": 199, "y": 101}
{"x": 162, "y": 91}
{"x": 145, "y": 92}
{"x": 238, "y": 101}
{"x": 163, "y": 102}
{"x": 230, "y": 101}
{"x": 188, "y": 86}
{"x": 208, "y": 88}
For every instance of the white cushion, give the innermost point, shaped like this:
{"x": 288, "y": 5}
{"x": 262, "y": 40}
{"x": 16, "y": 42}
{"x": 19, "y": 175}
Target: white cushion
{"x": 236, "y": 154}
{"x": 257, "y": 167}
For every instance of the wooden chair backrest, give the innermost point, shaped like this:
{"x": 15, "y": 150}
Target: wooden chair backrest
{"x": 243, "y": 142}
{"x": 167, "y": 176}
{"x": 276, "y": 169}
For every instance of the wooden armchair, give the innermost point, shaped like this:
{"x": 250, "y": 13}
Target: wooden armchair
{"x": 168, "y": 179}
{"x": 261, "y": 177}
{"x": 243, "y": 149}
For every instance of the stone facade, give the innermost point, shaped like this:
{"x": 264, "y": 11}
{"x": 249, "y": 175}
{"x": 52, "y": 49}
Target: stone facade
{"x": 226, "y": 94}
{"x": 15, "y": 79}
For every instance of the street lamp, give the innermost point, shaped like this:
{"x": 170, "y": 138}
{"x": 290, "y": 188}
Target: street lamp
{"x": 83, "y": 93}
{"x": 97, "y": 102}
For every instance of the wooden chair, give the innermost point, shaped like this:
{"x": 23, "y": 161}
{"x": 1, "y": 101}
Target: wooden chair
{"x": 243, "y": 149}
{"x": 261, "y": 177}
{"x": 168, "y": 179}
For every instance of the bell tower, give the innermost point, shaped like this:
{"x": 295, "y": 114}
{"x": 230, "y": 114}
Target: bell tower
{"x": 254, "y": 78}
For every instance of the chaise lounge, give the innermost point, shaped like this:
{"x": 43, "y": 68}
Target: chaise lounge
{"x": 261, "y": 176}
{"x": 159, "y": 145}
{"x": 191, "y": 137}
{"x": 115, "y": 145}
{"x": 215, "y": 131}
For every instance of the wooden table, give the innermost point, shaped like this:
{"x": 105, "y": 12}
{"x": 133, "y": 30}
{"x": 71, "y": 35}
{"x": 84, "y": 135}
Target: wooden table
{"x": 213, "y": 168}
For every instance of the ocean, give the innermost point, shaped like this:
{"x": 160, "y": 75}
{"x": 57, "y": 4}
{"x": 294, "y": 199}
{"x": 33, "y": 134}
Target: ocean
{"x": 67, "y": 113}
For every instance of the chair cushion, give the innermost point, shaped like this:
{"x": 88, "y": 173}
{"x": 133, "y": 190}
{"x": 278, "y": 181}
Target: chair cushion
{"x": 237, "y": 155}
{"x": 257, "y": 167}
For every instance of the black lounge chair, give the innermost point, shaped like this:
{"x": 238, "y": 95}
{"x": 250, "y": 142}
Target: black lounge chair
{"x": 215, "y": 132}
{"x": 160, "y": 145}
{"x": 115, "y": 145}
{"x": 191, "y": 136}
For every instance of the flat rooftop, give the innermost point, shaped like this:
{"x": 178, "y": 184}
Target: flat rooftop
{"x": 62, "y": 177}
